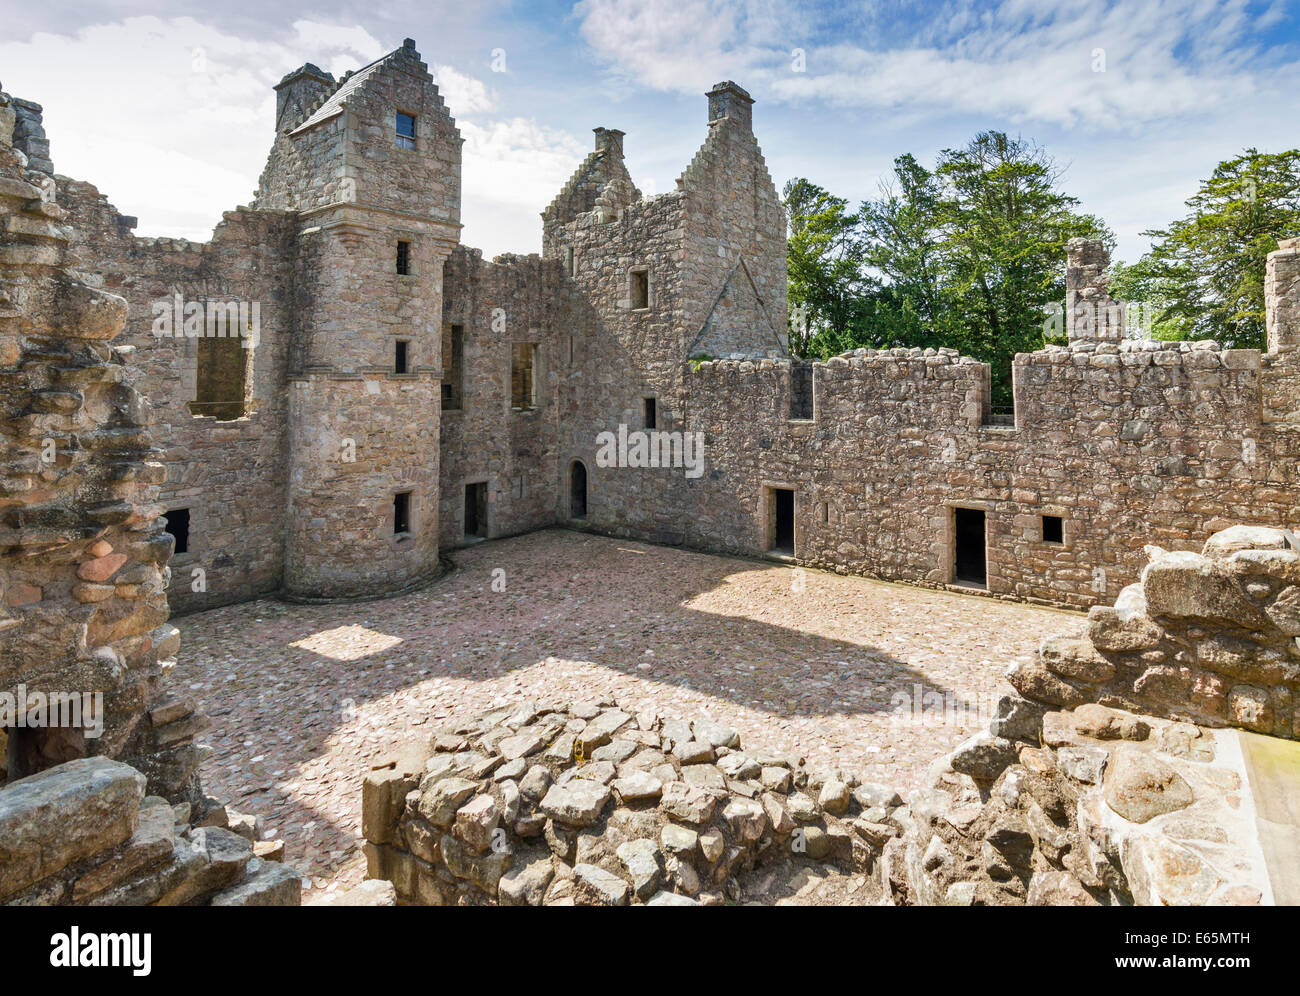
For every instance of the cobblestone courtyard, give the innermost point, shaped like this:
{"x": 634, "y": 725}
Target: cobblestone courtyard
{"x": 303, "y": 696}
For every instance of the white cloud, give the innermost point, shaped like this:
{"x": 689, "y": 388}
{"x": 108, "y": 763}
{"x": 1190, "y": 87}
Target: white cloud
{"x": 178, "y": 126}
{"x": 463, "y": 94}
{"x": 179, "y": 131}
{"x": 1019, "y": 60}
{"x": 512, "y": 170}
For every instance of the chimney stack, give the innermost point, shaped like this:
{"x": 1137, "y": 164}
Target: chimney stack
{"x": 730, "y": 102}
{"x": 1091, "y": 314}
{"x": 609, "y": 140}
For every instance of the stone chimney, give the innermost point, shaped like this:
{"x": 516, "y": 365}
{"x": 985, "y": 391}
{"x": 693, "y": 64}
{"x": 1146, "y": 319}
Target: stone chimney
{"x": 1091, "y": 314}
{"x": 299, "y": 93}
{"x": 29, "y": 135}
{"x": 609, "y": 140}
{"x": 1282, "y": 295}
{"x": 728, "y": 100}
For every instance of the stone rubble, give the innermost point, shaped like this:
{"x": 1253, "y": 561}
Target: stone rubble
{"x": 84, "y": 833}
{"x": 606, "y": 806}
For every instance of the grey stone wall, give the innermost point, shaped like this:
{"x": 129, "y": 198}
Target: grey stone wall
{"x": 83, "y": 605}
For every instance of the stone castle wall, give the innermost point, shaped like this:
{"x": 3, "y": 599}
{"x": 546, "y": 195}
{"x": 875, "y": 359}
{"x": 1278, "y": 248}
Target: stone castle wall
{"x": 515, "y": 453}
{"x": 229, "y": 473}
{"x": 1122, "y": 441}
{"x": 83, "y": 557}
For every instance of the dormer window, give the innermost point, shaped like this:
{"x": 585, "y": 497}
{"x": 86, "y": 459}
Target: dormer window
{"x": 405, "y": 130}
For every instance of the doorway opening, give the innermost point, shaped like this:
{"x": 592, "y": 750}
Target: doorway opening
{"x": 781, "y": 516}
{"x": 969, "y": 567}
{"x": 476, "y": 510}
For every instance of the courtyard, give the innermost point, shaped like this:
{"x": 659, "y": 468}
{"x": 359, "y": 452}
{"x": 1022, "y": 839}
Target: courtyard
{"x": 303, "y": 697}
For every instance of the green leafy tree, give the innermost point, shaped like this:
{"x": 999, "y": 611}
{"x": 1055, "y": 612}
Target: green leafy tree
{"x": 824, "y": 260}
{"x": 1204, "y": 275}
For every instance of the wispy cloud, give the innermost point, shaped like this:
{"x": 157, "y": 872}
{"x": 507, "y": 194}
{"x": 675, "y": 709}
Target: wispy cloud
{"x": 1103, "y": 64}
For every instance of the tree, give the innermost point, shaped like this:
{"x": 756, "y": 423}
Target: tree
{"x": 1006, "y": 223}
{"x": 826, "y": 279}
{"x": 1204, "y": 277}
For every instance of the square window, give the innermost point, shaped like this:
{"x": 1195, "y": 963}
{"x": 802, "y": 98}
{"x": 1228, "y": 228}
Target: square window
{"x": 399, "y": 360}
{"x": 401, "y": 513}
{"x": 1053, "y": 529}
{"x": 404, "y": 258}
{"x": 405, "y": 130}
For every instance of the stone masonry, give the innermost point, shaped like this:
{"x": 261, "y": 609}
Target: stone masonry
{"x": 403, "y": 396}
{"x": 1107, "y": 782}
{"x": 585, "y": 803}
{"x": 83, "y": 555}
{"x": 100, "y": 800}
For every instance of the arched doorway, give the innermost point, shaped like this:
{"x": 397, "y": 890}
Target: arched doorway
{"x": 578, "y": 490}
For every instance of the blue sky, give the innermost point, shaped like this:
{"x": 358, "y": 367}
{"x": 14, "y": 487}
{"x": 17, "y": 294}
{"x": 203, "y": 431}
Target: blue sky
{"x": 168, "y": 108}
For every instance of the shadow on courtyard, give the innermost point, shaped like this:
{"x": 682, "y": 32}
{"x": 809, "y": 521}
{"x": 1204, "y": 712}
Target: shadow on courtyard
{"x": 280, "y": 680}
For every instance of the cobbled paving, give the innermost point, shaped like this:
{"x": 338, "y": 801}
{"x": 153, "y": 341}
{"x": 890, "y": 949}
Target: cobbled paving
{"x": 870, "y": 677}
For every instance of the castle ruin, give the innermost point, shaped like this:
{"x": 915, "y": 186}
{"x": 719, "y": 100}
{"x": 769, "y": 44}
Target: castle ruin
{"x": 401, "y": 396}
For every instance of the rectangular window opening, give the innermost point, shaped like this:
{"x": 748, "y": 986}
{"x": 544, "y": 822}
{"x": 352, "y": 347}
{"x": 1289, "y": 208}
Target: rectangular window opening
{"x": 476, "y": 511}
{"x": 801, "y": 391}
{"x": 404, "y": 259}
{"x": 523, "y": 357}
{"x": 650, "y": 416}
{"x": 402, "y": 348}
{"x": 640, "y": 289}
{"x": 453, "y": 351}
{"x": 402, "y": 513}
{"x": 1053, "y": 529}
{"x": 177, "y": 522}
{"x": 405, "y": 125}
{"x": 969, "y": 566}
{"x": 571, "y": 262}
{"x": 221, "y": 377}
{"x": 781, "y": 521}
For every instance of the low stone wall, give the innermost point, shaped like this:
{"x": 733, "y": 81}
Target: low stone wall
{"x": 1208, "y": 637}
{"x": 1085, "y": 807}
{"x": 85, "y": 834}
{"x": 596, "y": 804}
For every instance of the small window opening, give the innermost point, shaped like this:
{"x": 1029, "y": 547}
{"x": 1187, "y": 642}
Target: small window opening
{"x": 523, "y": 356}
{"x": 650, "y": 417}
{"x": 404, "y": 259}
{"x": 177, "y": 522}
{"x": 801, "y": 391}
{"x": 640, "y": 289}
{"x": 405, "y": 130}
{"x": 399, "y": 358}
{"x": 1053, "y": 529}
{"x": 571, "y": 261}
{"x": 781, "y": 514}
{"x": 578, "y": 490}
{"x": 401, "y": 513}
{"x": 969, "y": 565}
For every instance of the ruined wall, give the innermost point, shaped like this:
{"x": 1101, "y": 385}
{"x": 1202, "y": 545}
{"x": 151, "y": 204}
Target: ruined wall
{"x": 516, "y": 453}
{"x": 86, "y": 833}
{"x": 229, "y": 473}
{"x": 1208, "y": 637}
{"x": 1122, "y": 441}
{"x": 84, "y": 607}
